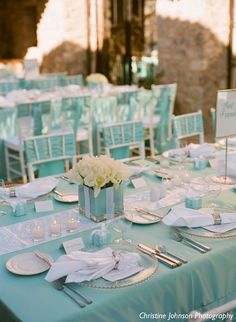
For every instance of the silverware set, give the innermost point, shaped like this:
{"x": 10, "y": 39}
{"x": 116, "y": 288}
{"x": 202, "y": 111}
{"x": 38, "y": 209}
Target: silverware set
{"x": 169, "y": 259}
{"x": 177, "y": 236}
{"x": 71, "y": 291}
{"x": 66, "y": 288}
{"x": 163, "y": 258}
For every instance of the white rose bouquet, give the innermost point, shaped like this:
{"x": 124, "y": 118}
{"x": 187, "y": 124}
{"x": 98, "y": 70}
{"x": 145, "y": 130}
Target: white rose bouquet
{"x": 99, "y": 172}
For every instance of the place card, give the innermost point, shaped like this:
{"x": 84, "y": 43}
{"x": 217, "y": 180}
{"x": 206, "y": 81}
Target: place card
{"x": 44, "y": 205}
{"x": 138, "y": 182}
{"x": 73, "y": 244}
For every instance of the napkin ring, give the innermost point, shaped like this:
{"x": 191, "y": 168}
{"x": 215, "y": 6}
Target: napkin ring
{"x": 116, "y": 259}
{"x": 217, "y": 218}
{"x": 12, "y": 192}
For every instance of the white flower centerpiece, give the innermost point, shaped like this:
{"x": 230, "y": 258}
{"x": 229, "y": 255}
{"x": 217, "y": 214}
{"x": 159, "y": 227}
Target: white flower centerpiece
{"x": 100, "y": 186}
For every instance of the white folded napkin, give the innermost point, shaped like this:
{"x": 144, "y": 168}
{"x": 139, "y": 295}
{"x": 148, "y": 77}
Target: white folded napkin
{"x": 191, "y": 218}
{"x": 81, "y": 266}
{"x": 195, "y": 150}
{"x": 136, "y": 170}
{"x": 204, "y": 150}
{"x": 29, "y": 191}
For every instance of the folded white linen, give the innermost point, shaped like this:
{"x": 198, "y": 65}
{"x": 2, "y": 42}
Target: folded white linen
{"x": 81, "y": 266}
{"x": 29, "y": 191}
{"x": 136, "y": 170}
{"x": 205, "y": 150}
{"x": 191, "y": 218}
{"x": 192, "y": 150}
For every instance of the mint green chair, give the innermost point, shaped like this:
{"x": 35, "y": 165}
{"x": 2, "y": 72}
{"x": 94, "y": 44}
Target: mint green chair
{"x": 44, "y": 150}
{"x": 126, "y": 96}
{"x": 44, "y": 84}
{"x": 76, "y": 115}
{"x": 188, "y": 125}
{"x": 32, "y": 119}
{"x": 8, "y": 86}
{"x": 72, "y": 80}
{"x": 124, "y": 135}
{"x": 163, "y": 108}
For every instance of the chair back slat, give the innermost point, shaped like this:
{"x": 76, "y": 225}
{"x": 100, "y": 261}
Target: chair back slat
{"x": 188, "y": 125}
{"x": 72, "y": 80}
{"x": 38, "y": 114}
{"x": 47, "y": 148}
{"x": 164, "y": 97}
{"x": 123, "y": 135}
{"x": 74, "y": 112}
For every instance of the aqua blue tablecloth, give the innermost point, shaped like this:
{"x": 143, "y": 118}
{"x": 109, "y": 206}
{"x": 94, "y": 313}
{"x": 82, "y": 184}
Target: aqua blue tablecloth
{"x": 206, "y": 281}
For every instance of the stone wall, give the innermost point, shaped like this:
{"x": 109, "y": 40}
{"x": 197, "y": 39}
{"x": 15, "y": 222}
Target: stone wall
{"x": 62, "y": 36}
{"x": 192, "y": 40}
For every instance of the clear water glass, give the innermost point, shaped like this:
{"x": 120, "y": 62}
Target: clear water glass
{"x": 122, "y": 226}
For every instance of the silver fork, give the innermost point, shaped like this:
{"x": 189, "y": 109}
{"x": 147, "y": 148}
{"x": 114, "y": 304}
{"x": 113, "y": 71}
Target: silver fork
{"x": 60, "y": 281}
{"x": 61, "y": 287}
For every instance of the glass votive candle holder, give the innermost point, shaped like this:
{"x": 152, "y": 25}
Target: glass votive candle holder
{"x": 20, "y": 210}
{"x": 37, "y": 231}
{"x": 200, "y": 163}
{"x": 164, "y": 162}
{"x": 193, "y": 203}
{"x": 72, "y": 222}
{"x": 54, "y": 226}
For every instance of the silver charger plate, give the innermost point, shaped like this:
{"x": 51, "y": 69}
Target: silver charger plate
{"x": 201, "y": 232}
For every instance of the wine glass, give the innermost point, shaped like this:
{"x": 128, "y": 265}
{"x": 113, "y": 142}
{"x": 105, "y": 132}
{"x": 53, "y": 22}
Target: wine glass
{"x": 122, "y": 226}
{"x": 212, "y": 193}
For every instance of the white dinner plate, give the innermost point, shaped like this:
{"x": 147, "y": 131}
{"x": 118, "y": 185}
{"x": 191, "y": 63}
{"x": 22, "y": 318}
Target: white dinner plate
{"x": 231, "y": 143}
{"x": 137, "y": 218}
{"x": 67, "y": 198}
{"x": 27, "y": 264}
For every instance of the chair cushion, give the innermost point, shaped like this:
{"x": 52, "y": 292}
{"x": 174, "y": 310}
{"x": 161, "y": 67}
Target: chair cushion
{"x": 13, "y": 143}
{"x": 147, "y": 122}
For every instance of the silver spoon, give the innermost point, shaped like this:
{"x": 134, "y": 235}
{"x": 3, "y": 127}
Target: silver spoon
{"x": 162, "y": 249}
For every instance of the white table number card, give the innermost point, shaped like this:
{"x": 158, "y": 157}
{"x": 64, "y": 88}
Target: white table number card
{"x": 31, "y": 68}
{"x": 73, "y": 244}
{"x": 44, "y": 205}
{"x": 139, "y": 182}
{"x": 226, "y": 113}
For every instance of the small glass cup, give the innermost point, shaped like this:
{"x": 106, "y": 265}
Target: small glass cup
{"x": 37, "y": 231}
{"x": 54, "y": 226}
{"x": 164, "y": 162}
{"x": 72, "y": 222}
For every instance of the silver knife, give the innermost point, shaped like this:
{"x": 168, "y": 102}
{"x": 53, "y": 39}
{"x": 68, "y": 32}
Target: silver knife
{"x": 144, "y": 249}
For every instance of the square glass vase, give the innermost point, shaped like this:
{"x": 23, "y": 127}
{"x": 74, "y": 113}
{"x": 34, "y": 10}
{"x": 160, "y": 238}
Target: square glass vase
{"x": 108, "y": 204}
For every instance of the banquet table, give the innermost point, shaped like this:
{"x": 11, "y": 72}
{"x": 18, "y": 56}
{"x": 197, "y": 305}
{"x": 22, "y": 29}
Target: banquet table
{"x": 8, "y": 115}
{"x": 206, "y": 281}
